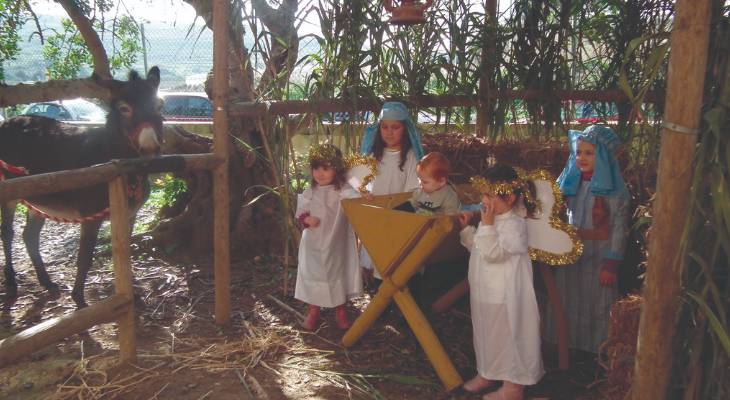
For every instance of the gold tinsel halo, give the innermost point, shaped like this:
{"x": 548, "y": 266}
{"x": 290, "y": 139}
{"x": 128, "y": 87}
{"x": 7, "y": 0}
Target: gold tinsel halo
{"x": 501, "y": 188}
{"x": 557, "y": 223}
{"x": 354, "y": 160}
{"x": 327, "y": 154}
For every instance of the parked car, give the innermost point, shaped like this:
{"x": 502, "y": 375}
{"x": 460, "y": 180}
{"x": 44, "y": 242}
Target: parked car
{"x": 186, "y": 106}
{"x": 591, "y": 113}
{"x": 68, "y": 110}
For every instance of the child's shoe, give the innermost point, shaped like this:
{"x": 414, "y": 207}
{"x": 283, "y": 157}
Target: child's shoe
{"x": 341, "y": 318}
{"x": 312, "y": 320}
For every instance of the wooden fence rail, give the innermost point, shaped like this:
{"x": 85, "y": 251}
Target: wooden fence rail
{"x": 53, "y": 182}
{"x": 254, "y": 109}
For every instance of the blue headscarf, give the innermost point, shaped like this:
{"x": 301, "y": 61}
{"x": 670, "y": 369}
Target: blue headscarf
{"x": 393, "y": 110}
{"x": 606, "y": 180}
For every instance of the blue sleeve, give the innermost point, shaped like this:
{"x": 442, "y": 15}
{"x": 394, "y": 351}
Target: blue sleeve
{"x": 619, "y": 209}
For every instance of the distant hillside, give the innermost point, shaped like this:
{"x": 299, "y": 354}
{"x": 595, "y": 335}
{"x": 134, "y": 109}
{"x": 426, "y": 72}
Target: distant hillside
{"x": 182, "y": 53}
{"x": 178, "y": 50}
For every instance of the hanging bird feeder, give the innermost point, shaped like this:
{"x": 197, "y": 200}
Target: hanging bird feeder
{"x": 408, "y": 12}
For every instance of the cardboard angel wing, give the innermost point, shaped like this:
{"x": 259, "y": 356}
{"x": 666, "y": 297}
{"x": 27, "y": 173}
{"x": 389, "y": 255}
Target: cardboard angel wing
{"x": 551, "y": 240}
{"x": 361, "y": 170}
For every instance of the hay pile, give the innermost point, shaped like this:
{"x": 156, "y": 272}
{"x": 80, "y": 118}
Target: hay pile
{"x": 620, "y": 347}
{"x": 471, "y": 156}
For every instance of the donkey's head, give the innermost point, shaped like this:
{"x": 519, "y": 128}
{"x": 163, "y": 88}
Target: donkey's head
{"x": 134, "y": 114}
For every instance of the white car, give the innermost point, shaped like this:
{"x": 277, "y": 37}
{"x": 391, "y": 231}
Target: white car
{"x": 68, "y": 110}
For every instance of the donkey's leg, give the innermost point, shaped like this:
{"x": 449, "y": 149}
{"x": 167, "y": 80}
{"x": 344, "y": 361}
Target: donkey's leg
{"x": 89, "y": 234}
{"x": 7, "y": 215}
{"x": 32, "y": 236}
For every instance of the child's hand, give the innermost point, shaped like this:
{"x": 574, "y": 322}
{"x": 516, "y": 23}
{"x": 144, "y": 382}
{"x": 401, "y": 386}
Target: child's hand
{"x": 488, "y": 212}
{"x": 464, "y": 218}
{"x": 368, "y": 195}
{"x": 313, "y": 222}
{"x": 607, "y": 276}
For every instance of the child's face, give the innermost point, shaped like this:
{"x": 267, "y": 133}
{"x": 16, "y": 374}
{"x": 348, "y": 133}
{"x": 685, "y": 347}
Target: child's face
{"x": 391, "y": 131}
{"x": 323, "y": 175}
{"x": 499, "y": 204}
{"x": 429, "y": 184}
{"x": 585, "y": 156}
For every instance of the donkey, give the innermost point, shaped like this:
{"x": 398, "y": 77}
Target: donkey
{"x": 35, "y": 145}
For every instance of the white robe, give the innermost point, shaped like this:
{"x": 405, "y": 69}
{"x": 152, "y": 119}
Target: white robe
{"x": 391, "y": 179}
{"x": 504, "y": 311}
{"x": 328, "y": 272}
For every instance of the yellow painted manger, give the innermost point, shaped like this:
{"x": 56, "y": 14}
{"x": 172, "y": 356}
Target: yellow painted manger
{"x": 399, "y": 243}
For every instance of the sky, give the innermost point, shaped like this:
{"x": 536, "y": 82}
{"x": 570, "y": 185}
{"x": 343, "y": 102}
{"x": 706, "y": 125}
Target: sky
{"x": 169, "y": 11}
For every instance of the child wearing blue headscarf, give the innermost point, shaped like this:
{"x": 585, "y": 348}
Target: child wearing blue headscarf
{"x": 394, "y": 141}
{"x": 597, "y": 205}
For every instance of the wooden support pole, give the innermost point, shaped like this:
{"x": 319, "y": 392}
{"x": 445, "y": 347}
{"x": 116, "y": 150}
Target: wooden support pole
{"x": 121, "y": 257}
{"x": 46, "y": 333}
{"x": 660, "y": 295}
{"x": 221, "y": 200}
{"x": 484, "y": 110}
{"x": 53, "y": 182}
{"x": 447, "y": 299}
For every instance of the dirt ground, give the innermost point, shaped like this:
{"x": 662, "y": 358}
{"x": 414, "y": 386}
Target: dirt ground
{"x": 182, "y": 354}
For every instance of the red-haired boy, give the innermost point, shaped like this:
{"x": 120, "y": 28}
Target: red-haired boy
{"x": 435, "y": 194}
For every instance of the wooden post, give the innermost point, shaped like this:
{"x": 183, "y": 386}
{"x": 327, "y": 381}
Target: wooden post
{"x": 121, "y": 254}
{"x": 55, "y": 329}
{"x": 221, "y": 200}
{"x": 487, "y": 70}
{"x": 660, "y": 303}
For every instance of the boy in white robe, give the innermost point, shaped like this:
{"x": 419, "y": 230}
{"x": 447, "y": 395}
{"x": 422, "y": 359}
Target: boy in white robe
{"x": 504, "y": 310}
{"x": 328, "y": 271}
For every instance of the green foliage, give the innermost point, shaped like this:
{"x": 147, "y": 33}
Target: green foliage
{"x": 67, "y": 53}
{"x": 12, "y": 16}
{"x": 165, "y": 190}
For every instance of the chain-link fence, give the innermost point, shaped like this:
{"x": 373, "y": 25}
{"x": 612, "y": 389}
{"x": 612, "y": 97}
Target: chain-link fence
{"x": 183, "y": 51}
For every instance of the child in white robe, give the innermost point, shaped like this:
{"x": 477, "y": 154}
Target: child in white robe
{"x": 395, "y": 142}
{"x": 328, "y": 271}
{"x": 504, "y": 311}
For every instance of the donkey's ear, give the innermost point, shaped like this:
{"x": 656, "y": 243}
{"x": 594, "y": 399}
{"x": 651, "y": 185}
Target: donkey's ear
{"x": 153, "y": 76}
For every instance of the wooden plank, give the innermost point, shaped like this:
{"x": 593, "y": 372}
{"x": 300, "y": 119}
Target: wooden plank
{"x": 39, "y": 336}
{"x": 221, "y": 196}
{"x": 243, "y": 109}
{"x": 660, "y": 302}
{"x": 121, "y": 257}
{"x": 52, "y": 182}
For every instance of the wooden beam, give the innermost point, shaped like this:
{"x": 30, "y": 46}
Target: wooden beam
{"x": 253, "y": 109}
{"x": 39, "y": 336}
{"x": 121, "y": 257}
{"x": 221, "y": 196}
{"x": 487, "y": 69}
{"x": 52, "y": 182}
{"x": 660, "y": 295}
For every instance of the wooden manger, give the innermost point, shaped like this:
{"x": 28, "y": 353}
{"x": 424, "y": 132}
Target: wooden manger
{"x": 399, "y": 244}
